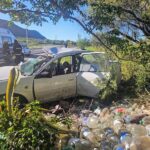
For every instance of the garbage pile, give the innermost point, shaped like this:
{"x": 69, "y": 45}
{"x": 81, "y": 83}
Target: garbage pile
{"x": 120, "y": 127}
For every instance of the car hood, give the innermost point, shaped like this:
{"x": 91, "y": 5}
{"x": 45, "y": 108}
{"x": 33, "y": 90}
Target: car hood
{"x": 4, "y": 72}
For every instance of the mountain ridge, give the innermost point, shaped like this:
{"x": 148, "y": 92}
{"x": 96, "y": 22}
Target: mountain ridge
{"x": 20, "y": 32}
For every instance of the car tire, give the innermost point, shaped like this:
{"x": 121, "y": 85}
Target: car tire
{"x": 21, "y": 101}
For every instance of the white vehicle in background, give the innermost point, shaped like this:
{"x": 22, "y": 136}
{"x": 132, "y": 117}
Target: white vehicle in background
{"x": 6, "y": 36}
{"x": 25, "y": 50}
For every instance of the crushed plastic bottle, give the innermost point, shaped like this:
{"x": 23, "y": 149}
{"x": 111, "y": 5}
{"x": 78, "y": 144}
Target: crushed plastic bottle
{"x": 134, "y": 146}
{"x": 120, "y": 111}
{"x": 84, "y": 131}
{"x": 117, "y": 125}
{"x": 126, "y": 140}
{"x": 127, "y": 119}
{"x": 134, "y": 118}
{"x": 140, "y": 143}
{"x": 97, "y": 111}
{"x": 92, "y": 121}
{"x": 105, "y": 145}
{"x": 113, "y": 139}
{"x": 137, "y": 130}
{"x": 79, "y": 144}
{"x": 108, "y": 131}
{"x": 99, "y": 134}
{"x": 148, "y": 129}
{"x": 119, "y": 147}
{"x": 84, "y": 120}
{"x": 146, "y": 120}
{"x": 90, "y": 137}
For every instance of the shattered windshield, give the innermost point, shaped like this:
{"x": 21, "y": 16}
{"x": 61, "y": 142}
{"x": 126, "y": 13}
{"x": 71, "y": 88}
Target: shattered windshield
{"x": 95, "y": 62}
{"x": 30, "y": 66}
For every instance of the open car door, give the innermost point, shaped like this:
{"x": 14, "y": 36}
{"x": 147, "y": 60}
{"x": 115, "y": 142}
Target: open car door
{"x": 93, "y": 74}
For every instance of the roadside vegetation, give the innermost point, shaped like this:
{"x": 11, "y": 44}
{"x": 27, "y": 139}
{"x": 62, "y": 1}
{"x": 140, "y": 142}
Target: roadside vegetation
{"x": 35, "y": 43}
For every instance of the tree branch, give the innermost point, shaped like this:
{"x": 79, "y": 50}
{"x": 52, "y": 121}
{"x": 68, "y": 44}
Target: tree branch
{"x": 11, "y": 11}
{"x": 128, "y": 37}
{"x": 134, "y": 15}
{"x": 97, "y": 37}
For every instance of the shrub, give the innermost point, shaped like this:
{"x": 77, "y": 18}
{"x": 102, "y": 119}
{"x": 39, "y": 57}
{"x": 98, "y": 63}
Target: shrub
{"x": 137, "y": 74}
{"x": 26, "y": 129}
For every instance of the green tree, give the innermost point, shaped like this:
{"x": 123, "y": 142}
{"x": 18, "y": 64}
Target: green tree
{"x": 123, "y": 19}
{"x": 83, "y": 43}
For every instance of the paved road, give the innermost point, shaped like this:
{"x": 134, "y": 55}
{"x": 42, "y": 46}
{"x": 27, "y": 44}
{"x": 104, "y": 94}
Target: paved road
{"x": 34, "y": 53}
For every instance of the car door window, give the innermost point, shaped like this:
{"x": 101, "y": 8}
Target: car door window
{"x": 95, "y": 62}
{"x": 60, "y": 66}
{"x": 65, "y": 65}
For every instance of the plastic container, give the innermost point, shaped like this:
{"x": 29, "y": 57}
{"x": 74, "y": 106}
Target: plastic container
{"x": 105, "y": 145}
{"x": 119, "y": 147}
{"x": 92, "y": 121}
{"x": 137, "y": 130}
{"x": 126, "y": 140}
{"x": 148, "y": 129}
{"x": 79, "y": 144}
{"x": 117, "y": 125}
{"x": 84, "y": 120}
{"x": 108, "y": 131}
{"x": 146, "y": 120}
{"x": 114, "y": 139}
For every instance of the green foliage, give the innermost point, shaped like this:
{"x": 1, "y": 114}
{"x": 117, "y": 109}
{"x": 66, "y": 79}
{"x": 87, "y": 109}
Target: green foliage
{"x": 26, "y": 129}
{"x": 83, "y": 43}
{"x": 108, "y": 90}
{"x": 137, "y": 75}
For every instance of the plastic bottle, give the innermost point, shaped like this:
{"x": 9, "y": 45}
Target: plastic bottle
{"x": 113, "y": 139}
{"x": 134, "y": 118}
{"x": 137, "y": 130}
{"x": 84, "y": 120}
{"x": 134, "y": 146}
{"x": 105, "y": 145}
{"x": 148, "y": 129}
{"x": 73, "y": 142}
{"x": 92, "y": 121}
{"x": 84, "y": 132}
{"x": 127, "y": 119}
{"x": 119, "y": 147}
{"x": 126, "y": 140}
{"x": 146, "y": 120}
{"x": 97, "y": 111}
{"x": 117, "y": 125}
{"x": 79, "y": 144}
{"x": 140, "y": 143}
{"x": 90, "y": 137}
{"x": 99, "y": 134}
{"x": 108, "y": 131}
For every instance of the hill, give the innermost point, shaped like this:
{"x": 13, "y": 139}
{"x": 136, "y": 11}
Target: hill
{"x": 21, "y": 32}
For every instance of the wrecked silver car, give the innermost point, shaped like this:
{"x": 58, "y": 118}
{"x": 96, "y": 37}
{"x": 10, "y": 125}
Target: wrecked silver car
{"x": 67, "y": 74}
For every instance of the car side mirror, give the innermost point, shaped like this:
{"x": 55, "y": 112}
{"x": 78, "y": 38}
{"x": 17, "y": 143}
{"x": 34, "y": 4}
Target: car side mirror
{"x": 44, "y": 74}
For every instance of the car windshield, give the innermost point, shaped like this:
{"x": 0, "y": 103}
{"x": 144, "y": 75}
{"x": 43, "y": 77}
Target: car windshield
{"x": 94, "y": 62}
{"x": 30, "y": 66}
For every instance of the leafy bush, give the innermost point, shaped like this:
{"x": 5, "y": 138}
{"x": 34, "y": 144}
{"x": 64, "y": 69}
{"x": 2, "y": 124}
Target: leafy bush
{"x": 137, "y": 74}
{"x": 26, "y": 129}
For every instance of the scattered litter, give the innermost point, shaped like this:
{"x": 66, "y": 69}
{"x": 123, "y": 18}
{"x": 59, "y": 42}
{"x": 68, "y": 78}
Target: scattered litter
{"x": 118, "y": 127}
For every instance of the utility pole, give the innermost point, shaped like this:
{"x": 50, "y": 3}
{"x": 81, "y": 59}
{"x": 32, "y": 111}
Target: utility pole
{"x": 27, "y": 35}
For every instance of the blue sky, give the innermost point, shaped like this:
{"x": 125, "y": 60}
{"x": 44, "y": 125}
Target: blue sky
{"x": 63, "y": 30}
